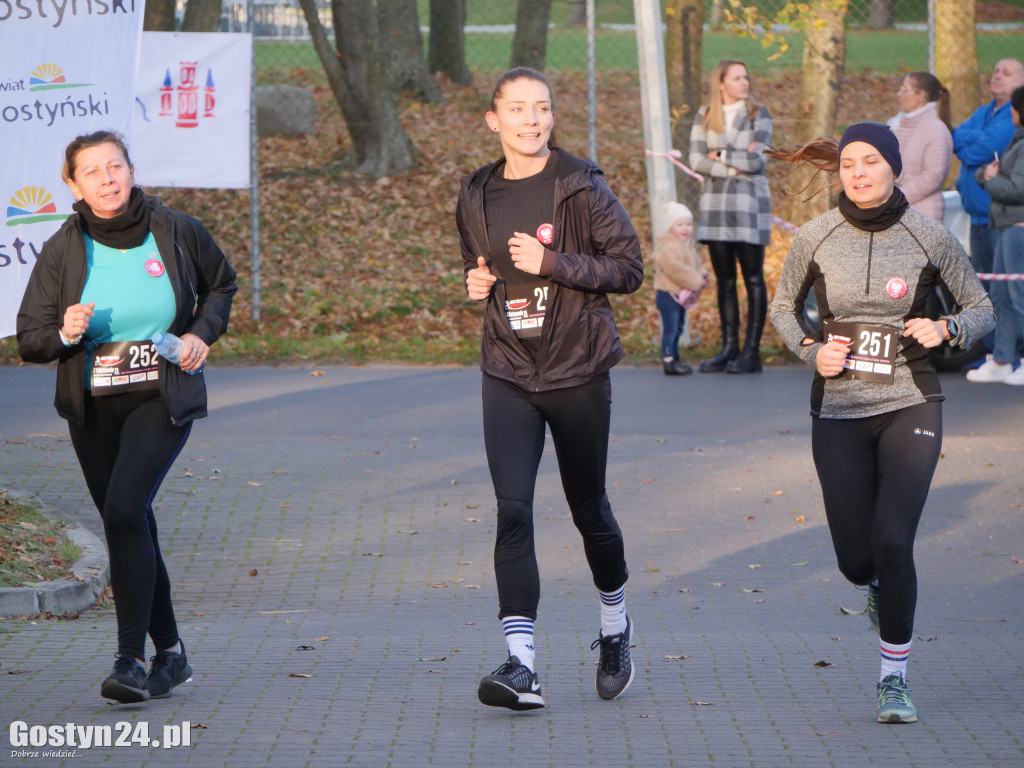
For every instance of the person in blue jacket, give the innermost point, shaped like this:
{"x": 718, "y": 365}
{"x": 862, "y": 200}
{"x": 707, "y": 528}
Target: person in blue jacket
{"x": 976, "y": 142}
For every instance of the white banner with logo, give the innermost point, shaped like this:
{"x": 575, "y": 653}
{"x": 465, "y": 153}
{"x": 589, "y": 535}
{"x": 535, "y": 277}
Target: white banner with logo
{"x": 191, "y": 124}
{"x": 65, "y": 69}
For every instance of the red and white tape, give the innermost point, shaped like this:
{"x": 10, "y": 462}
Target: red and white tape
{"x": 1000, "y": 276}
{"x": 673, "y": 156}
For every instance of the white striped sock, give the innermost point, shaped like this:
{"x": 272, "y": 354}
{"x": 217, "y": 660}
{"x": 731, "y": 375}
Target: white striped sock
{"x": 519, "y": 638}
{"x": 613, "y": 611}
{"x": 894, "y": 659}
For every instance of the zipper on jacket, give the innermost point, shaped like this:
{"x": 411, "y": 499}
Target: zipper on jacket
{"x": 867, "y": 282}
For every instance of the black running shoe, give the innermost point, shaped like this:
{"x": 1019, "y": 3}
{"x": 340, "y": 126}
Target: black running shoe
{"x": 615, "y": 667}
{"x": 167, "y": 671}
{"x": 127, "y": 682}
{"x": 513, "y": 686}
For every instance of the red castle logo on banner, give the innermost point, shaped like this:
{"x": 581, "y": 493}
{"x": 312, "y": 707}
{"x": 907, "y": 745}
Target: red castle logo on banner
{"x": 189, "y": 96}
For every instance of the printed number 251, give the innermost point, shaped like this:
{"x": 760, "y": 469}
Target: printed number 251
{"x": 871, "y": 343}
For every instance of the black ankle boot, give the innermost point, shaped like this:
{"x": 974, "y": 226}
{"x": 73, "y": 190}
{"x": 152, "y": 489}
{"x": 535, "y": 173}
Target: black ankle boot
{"x": 730, "y": 348}
{"x": 747, "y": 361}
{"x": 675, "y": 368}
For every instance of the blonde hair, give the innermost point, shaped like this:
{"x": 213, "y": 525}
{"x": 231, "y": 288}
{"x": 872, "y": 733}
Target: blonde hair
{"x": 714, "y": 117}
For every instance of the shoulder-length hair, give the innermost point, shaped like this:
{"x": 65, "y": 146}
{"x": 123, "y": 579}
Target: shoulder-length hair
{"x": 714, "y": 118}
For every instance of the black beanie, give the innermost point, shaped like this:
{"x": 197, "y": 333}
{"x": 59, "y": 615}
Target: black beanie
{"x": 878, "y": 136}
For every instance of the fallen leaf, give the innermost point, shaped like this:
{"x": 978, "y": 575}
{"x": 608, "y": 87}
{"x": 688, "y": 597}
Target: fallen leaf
{"x": 472, "y": 506}
{"x": 823, "y": 663}
{"x": 759, "y": 601}
{"x": 472, "y": 586}
{"x": 986, "y": 553}
{"x": 754, "y": 566}
{"x": 253, "y": 572}
{"x": 433, "y": 658}
{"x": 646, "y": 480}
{"x": 49, "y": 540}
{"x": 471, "y": 519}
{"x": 799, "y": 519}
{"x": 801, "y": 564}
{"x": 675, "y": 658}
{"x": 324, "y": 638}
{"x": 299, "y": 674}
{"x": 305, "y": 648}
{"x": 317, "y": 372}
{"x": 411, "y": 533}
{"x": 438, "y": 585}
{"x": 28, "y": 526}
{"x": 199, "y": 725}
{"x": 749, "y": 517}
{"x": 367, "y": 471}
{"x": 700, "y": 703}
{"x": 684, "y": 590}
{"x": 778, "y": 493}
{"x": 645, "y": 717}
{"x": 849, "y": 612}
{"x": 717, "y": 583}
{"x": 752, "y": 591}
{"x": 199, "y": 613}
{"x": 254, "y": 484}
{"x": 372, "y": 554}
{"x": 457, "y": 580}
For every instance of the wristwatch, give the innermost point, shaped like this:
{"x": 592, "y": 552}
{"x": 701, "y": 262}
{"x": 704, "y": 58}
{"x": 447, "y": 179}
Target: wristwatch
{"x": 953, "y": 328}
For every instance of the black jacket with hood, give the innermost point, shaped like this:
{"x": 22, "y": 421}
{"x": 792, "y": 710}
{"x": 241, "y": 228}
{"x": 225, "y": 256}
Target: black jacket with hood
{"x": 203, "y": 283}
{"x": 596, "y": 251}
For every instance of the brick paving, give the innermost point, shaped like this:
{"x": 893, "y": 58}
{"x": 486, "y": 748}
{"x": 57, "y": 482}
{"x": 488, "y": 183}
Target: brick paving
{"x": 339, "y": 526}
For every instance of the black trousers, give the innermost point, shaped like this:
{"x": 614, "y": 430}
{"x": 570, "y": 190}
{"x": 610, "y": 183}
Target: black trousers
{"x": 125, "y": 450}
{"x": 514, "y": 426}
{"x": 875, "y": 475}
{"x": 724, "y": 256}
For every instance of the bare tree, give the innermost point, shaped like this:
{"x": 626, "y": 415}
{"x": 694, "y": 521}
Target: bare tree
{"x": 684, "y": 22}
{"x": 201, "y": 16}
{"x": 821, "y": 79}
{"x": 380, "y": 146}
{"x": 881, "y": 14}
{"x": 159, "y": 16}
{"x": 402, "y": 50}
{"x": 447, "y": 53}
{"x": 529, "y": 46}
{"x": 956, "y": 55}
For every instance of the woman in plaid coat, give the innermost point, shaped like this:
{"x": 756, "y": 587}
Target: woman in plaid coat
{"x": 735, "y": 208}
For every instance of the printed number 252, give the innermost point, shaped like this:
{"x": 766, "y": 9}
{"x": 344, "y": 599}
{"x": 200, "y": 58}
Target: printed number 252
{"x": 143, "y": 356}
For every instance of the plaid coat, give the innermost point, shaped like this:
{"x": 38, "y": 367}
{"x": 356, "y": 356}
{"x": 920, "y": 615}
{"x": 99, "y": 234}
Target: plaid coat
{"x": 735, "y": 203}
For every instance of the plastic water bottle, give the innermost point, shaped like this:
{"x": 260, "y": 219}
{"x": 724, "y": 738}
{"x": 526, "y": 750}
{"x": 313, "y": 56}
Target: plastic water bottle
{"x": 170, "y": 347}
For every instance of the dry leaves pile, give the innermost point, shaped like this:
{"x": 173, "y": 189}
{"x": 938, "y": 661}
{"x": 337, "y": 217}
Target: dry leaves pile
{"x": 372, "y": 269}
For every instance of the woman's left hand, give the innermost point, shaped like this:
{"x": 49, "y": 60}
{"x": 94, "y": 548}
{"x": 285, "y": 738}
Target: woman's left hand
{"x": 928, "y": 333}
{"x": 527, "y": 252}
{"x": 991, "y": 171}
{"x": 194, "y": 354}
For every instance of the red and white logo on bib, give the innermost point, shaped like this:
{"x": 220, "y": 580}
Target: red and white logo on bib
{"x": 896, "y": 287}
{"x": 546, "y": 234}
{"x": 154, "y": 268}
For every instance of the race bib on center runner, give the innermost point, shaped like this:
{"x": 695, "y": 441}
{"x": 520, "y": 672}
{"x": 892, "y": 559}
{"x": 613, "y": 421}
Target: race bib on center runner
{"x": 872, "y": 355}
{"x": 525, "y": 307}
{"x": 124, "y": 366}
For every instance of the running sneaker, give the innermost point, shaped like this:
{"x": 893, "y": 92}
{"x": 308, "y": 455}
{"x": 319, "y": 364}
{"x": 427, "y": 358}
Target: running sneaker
{"x": 894, "y": 704}
{"x": 872, "y": 609}
{"x": 615, "y": 667}
{"x": 513, "y": 685}
{"x": 990, "y": 372}
{"x": 167, "y": 671}
{"x": 127, "y": 682}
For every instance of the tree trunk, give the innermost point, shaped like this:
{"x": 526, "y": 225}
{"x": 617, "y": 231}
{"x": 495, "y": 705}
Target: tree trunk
{"x": 684, "y": 20}
{"x": 820, "y": 81}
{"x": 402, "y": 50}
{"x": 715, "y": 18}
{"x": 577, "y": 13}
{"x": 448, "y": 40}
{"x": 881, "y": 14}
{"x": 201, "y": 16}
{"x": 529, "y": 46}
{"x": 956, "y": 55}
{"x": 380, "y": 146}
{"x": 159, "y": 16}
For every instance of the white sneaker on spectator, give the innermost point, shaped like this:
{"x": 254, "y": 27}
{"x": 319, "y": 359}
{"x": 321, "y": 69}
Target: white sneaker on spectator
{"x": 1017, "y": 377}
{"x": 990, "y": 372}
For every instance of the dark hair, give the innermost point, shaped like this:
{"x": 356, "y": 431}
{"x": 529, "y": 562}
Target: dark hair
{"x": 1017, "y": 101}
{"x": 934, "y": 90}
{"x": 522, "y": 73}
{"x": 91, "y": 140}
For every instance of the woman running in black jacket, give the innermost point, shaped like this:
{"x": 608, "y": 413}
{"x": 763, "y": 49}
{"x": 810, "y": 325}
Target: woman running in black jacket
{"x": 544, "y": 240}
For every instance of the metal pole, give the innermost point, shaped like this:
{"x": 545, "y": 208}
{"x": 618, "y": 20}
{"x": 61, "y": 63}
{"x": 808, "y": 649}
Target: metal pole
{"x": 931, "y": 36}
{"x": 591, "y": 81}
{"x": 661, "y": 180}
{"x": 254, "y": 186}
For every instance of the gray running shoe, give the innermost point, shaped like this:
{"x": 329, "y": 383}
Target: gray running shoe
{"x": 615, "y": 667}
{"x": 894, "y": 705}
{"x": 513, "y": 686}
{"x": 872, "y": 609}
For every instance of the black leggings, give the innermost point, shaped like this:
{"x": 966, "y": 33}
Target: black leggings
{"x": 514, "y": 425}
{"x": 724, "y": 256}
{"x": 125, "y": 450}
{"x": 875, "y": 474}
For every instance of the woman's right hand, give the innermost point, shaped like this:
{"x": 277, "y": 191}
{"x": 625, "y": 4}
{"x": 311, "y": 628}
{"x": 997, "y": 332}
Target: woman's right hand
{"x": 479, "y": 280}
{"x": 76, "y": 319}
{"x": 831, "y": 358}
{"x": 991, "y": 170}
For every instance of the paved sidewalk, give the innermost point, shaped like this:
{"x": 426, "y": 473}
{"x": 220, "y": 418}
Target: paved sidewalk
{"x": 339, "y": 526}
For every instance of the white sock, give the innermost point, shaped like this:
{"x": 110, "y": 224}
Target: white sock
{"x": 613, "y": 611}
{"x": 894, "y": 659}
{"x": 519, "y": 639}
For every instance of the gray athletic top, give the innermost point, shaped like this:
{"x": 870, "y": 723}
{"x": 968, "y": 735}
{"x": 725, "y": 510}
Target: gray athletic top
{"x": 858, "y": 276}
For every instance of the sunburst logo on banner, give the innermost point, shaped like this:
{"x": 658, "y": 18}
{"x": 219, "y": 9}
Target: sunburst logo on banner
{"x": 30, "y": 205}
{"x": 48, "y": 76}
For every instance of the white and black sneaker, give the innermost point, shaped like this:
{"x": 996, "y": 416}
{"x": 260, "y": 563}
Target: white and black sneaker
{"x": 615, "y": 667}
{"x": 513, "y": 686}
